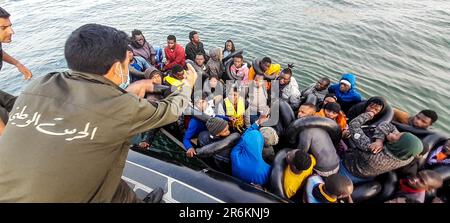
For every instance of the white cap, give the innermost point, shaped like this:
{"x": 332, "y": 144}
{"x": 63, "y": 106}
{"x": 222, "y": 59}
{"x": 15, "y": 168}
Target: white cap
{"x": 346, "y": 82}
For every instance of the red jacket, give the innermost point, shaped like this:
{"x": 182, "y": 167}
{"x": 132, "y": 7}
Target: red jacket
{"x": 175, "y": 57}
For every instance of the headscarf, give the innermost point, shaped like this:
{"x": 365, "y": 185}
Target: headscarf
{"x": 407, "y": 146}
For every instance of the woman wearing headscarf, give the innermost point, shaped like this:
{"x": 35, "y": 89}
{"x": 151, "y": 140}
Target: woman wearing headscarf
{"x": 214, "y": 65}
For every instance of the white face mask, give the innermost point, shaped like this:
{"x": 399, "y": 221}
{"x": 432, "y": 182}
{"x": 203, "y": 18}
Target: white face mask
{"x": 123, "y": 84}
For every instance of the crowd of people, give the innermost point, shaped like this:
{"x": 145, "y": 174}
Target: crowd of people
{"x": 124, "y": 92}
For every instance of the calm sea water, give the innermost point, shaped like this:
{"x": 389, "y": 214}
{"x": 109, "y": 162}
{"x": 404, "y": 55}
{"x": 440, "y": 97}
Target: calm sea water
{"x": 398, "y": 49}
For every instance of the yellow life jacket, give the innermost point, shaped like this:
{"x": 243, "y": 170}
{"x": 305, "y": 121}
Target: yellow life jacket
{"x": 230, "y": 111}
{"x": 173, "y": 81}
{"x": 238, "y": 115}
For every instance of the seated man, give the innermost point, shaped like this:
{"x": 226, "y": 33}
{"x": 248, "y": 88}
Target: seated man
{"x": 194, "y": 47}
{"x": 141, "y": 47}
{"x": 176, "y": 77}
{"x": 137, "y": 67}
{"x": 300, "y": 167}
{"x": 333, "y": 112}
{"x": 335, "y": 189}
{"x": 197, "y": 126}
{"x": 440, "y": 156}
{"x": 289, "y": 88}
{"x": 235, "y": 109}
{"x": 319, "y": 89}
{"x": 306, "y": 110}
{"x": 267, "y": 67}
{"x": 413, "y": 188}
{"x": 257, "y": 100}
{"x": 365, "y": 160}
{"x": 422, "y": 120}
{"x": 346, "y": 92}
{"x": 174, "y": 54}
{"x": 199, "y": 65}
{"x": 239, "y": 68}
{"x": 216, "y": 129}
{"x": 247, "y": 161}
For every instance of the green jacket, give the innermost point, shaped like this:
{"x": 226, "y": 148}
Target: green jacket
{"x": 68, "y": 137}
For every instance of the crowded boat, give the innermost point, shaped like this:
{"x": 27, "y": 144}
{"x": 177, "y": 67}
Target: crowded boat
{"x": 243, "y": 117}
{"x": 327, "y": 144}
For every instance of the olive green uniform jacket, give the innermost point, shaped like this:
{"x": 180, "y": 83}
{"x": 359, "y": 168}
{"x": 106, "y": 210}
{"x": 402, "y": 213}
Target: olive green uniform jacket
{"x": 68, "y": 137}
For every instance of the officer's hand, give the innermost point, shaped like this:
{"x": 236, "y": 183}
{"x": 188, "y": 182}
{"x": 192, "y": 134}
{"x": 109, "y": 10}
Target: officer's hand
{"x": 191, "y": 76}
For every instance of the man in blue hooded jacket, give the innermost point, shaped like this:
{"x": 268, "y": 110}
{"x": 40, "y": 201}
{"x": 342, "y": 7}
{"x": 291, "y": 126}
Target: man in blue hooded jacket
{"x": 247, "y": 161}
{"x": 346, "y": 92}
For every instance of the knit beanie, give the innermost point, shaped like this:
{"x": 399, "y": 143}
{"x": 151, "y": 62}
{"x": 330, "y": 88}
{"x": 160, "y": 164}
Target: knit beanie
{"x": 216, "y": 125}
{"x": 270, "y": 136}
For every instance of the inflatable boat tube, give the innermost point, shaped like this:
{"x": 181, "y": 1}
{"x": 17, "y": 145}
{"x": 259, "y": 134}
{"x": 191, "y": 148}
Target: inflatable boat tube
{"x": 231, "y": 55}
{"x": 311, "y": 98}
{"x": 317, "y": 142}
{"x": 389, "y": 183}
{"x": 287, "y": 115}
{"x": 184, "y": 184}
{"x": 281, "y": 116}
{"x": 257, "y": 68}
{"x": 213, "y": 148}
{"x": 444, "y": 171}
{"x": 313, "y": 122}
{"x": 364, "y": 192}
{"x": 277, "y": 174}
{"x": 432, "y": 141}
{"x": 421, "y": 133}
{"x": 429, "y": 142}
{"x": 230, "y": 76}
